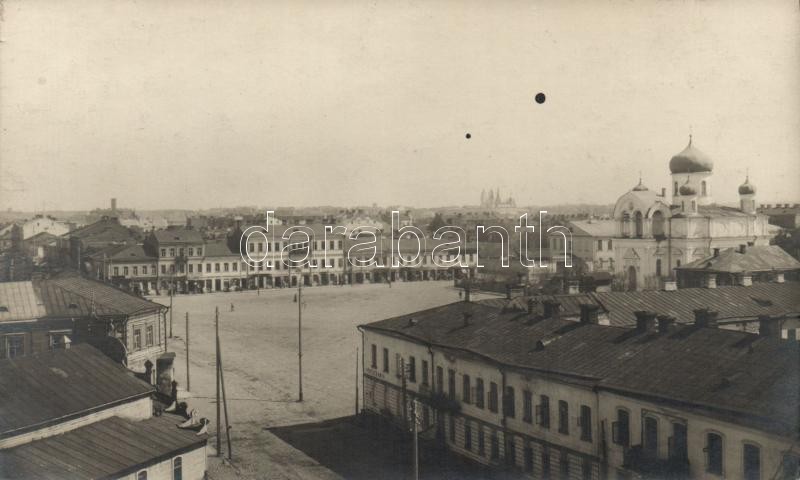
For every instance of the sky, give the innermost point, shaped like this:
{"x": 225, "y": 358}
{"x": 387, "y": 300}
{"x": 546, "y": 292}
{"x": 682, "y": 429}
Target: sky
{"x": 200, "y": 104}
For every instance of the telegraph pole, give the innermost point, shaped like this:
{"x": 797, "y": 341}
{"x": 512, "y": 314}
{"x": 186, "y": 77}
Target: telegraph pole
{"x": 188, "y": 385}
{"x": 216, "y": 333}
{"x": 356, "y": 381}
{"x": 171, "y": 293}
{"x": 416, "y": 440}
{"x": 300, "y": 335}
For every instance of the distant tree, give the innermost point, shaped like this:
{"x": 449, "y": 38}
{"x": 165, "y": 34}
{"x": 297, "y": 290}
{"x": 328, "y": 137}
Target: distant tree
{"x": 436, "y": 223}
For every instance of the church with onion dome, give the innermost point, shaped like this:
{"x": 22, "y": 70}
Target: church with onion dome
{"x": 656, "y": 232}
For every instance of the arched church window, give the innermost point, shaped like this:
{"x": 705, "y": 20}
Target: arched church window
{"x": 626, "y": 224}
{"x": 658, "y": 224}
{"x": 675, "y": 192}
{"x": 658, "y": 267}
{"x": 694, "y": 206}
{"x": 703, "y": 187}
{"x": 638, "y": 220}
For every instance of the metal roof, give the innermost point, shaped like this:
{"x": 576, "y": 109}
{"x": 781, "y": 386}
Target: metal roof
{"x": 110, "y": 448}
{"x": 177, "y": 235}
{"x": 754, "y": 259}
{"x": 48, "y": 386}
{"x": 19, "y": 302}
{"x": 741, "y": 377}
{"x": 71, "y": 295}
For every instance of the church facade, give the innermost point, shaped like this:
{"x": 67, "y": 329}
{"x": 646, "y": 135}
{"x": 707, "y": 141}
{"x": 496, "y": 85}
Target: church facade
{"x": 655, "y": 233}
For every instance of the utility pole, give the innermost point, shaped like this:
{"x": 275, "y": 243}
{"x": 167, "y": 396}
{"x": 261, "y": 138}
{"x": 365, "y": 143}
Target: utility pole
{"x": 416, "y": 440}
{"x": 188, "y": 385}
{"x": 216, "y": 335}
{"x": 171, "y": 293}
{"x": 300, "y": 335}
{"x": 221, "y": 374}
{"x": 356, "y": 381}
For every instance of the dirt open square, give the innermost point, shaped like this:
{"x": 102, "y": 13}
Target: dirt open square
{"x": 259, "y": 352}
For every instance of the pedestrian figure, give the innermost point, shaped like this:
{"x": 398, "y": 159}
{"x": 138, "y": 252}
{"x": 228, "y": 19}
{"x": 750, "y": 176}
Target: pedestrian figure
{"x": 460, "y": 294}
{"x": 231, "y": 307}
{"x": 295, "y": 298}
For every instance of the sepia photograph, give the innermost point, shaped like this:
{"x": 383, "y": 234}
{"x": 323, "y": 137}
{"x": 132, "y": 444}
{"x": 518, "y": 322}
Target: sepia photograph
{"x": 399, "y": 239}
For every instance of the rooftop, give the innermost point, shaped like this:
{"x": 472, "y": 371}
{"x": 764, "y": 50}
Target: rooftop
{"x": 19, "y": 302}
{"x": 737, "y": 376}
{"x": 70, "y": 295}
{"x": 40, "y": 388}
{"x": 753, "y": 259}
{"x": 110, "y": 448}
{"x": 177, "y": 235}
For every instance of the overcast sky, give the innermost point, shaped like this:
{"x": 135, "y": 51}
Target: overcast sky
{"x": 195, "y": 104}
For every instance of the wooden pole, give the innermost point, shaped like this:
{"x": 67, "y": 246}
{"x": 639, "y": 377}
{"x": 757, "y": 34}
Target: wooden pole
{"x": 356, "y": 381}
{"x": 416, "y": 440}
{"x": 188, "y": 384}
{"x": 216, "y": 335}
{"x": 171, "y": 293}
{"x": 224, "y": 400}
{"x": 300, "y": 337}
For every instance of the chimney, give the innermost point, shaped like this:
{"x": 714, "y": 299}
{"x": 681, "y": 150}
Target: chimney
{"x": 716, "y": 252}
{"x": 768, "y": 326}
{"x": 645, "y": 320}
{"x": 779, "y": 278}
{"x": 670, "y": 285}
{"x": 589, "y": 313}
{"x": 711, "y": 280}
{"x": 665, "y": 323}
{"x": 113, "y": 205}
{"x": 704, "y": 317}
{"x": 551, "y": 308}
{"x": 746, "y": 280}
{"x": 743, "y": 248}
{"x": 412, "y": 321}
{"x": 574, "y": 288}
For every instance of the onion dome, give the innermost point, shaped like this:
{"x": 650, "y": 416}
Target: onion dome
{"x": 747, "y": 188}
{"x": 690, "y": 160}
{"x": 640, "y": 187}
{"x": 686, "y": 189}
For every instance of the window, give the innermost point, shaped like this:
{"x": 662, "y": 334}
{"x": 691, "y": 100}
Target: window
{"x": 137, "y": 339}
{"x": 466, "y": 389}
{"x": 609, "y": 244}
{"x": 620, "y": 430}
{"x": 658, "y": 267}
{"x": 374, "y": 351}
{"x": 171, "y": 252}
{"x": 563, "y": 464}
{"x": 424, "y": 372}
{"x": 56, "y": 340}
{"x": 116, "y": 271}
{"x": 563, "y": 417}
{"x": 790, "y": 466}
{"x": 544, "y": 411}
{"x": 199, "y": 251}
{"x": 479, "y": 392}
{"x": 234, "y": 266}
{"x": 527, "y": 406}
{"x": 493, "y": 397}
{"x": 412, "y": 369}
{"x": 495, "y": 453}
{"x": 528, "y": 459}
{"x": 678, "y": 443}
{"x": 216, "y": 267}
{"x": 509, "y": 403}
{"x": 177, "y": 469}
{"x": 452, "y": 425}
{"x": 135, "y": 271}
{"x": 163, "y": 269}
{"x": 208, "y": 268}
{"x": 225, "y": 267}
{"x": 586, "y": 423}
{"x": 141, "y": 475}
{"x": 650, "y": 440}
{"x": 439, "y": 379}
{"x": 172, "y": 269}
{"x": 451, "y": 383}
{"x": 511, "y": 451}
{"x": 191, "y": 251}
{"x": 467, "y": 435}
{"x": 703, "y": 188}
{"x": 481, "y": 441}
{"x": 600, "y": 245}
{"x": 675, "y": 189}
{"x": 163, "y": 252}
{"x": 386, "y": 360}
{"x": 545, "y": 463}
{"x": 191, "y": 268}
{"x": 714, "y": 453}
{"x": 586, "y": 469}
{"x": 148, "y": 334}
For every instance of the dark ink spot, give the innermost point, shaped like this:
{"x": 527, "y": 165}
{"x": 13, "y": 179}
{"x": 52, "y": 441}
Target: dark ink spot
{"x": 540, "y": 98}
{"x": 469, "y": 135}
